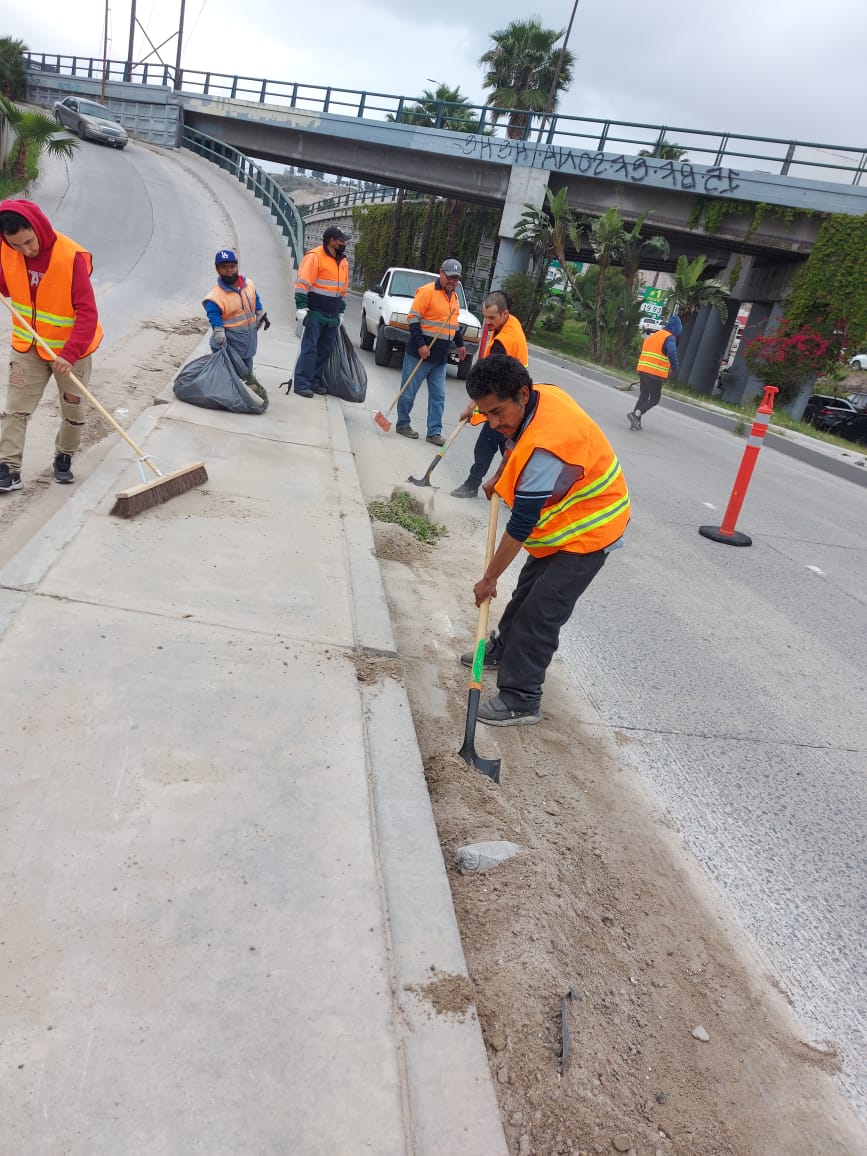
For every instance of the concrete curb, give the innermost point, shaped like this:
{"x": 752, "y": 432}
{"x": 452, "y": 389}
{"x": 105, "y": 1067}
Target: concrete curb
{"x": 444, "y": 1056}
{"x": 722, "y": 419}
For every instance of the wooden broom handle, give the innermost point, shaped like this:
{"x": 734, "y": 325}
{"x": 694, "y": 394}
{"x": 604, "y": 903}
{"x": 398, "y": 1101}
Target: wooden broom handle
{"x": 97, "y": 405}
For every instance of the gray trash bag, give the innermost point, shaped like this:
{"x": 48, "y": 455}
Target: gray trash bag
{"x": 344, "y": 376}
{"x": 212, "y": 382}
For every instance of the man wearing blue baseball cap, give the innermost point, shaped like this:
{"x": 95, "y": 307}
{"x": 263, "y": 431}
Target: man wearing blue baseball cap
{"x": 235, "y": 312}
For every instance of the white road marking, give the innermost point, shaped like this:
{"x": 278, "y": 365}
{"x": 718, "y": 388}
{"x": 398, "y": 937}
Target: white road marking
{"x": 709, "y": 505}
{"x": 815, "y": 570}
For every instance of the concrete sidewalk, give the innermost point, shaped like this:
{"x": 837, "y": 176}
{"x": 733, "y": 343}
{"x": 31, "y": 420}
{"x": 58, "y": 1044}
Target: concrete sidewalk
{"x": 225, "y": 916}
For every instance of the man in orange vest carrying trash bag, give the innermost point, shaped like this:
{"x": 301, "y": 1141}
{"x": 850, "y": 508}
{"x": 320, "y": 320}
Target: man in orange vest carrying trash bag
{"x": 47, "y": 277}
{"x": 658, "y": 355}
{"x": 570, "y": 507}
{"x": 320, "y": 298}
{"x": 503, "y": 336}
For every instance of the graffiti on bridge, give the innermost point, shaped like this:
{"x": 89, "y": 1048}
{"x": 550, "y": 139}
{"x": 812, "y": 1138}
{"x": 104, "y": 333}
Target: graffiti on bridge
{"x": 682, "y": 175}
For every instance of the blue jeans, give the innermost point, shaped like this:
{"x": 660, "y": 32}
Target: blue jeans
{"x": 317, "y": 343}
{"x": 487, "y": 444}
{"x": 435, "y": 375}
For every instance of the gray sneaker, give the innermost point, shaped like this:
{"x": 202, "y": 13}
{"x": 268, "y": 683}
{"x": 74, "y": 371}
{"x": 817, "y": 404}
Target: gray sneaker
{"x": 466, "y": 489}
{"x": 634, "y": 420}
{"x": 405, "y": 431}
{"x": 495, "y": 713}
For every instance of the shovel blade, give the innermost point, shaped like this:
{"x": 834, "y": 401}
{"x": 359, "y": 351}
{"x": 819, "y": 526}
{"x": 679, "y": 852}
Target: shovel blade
{"x": 488, "y": 767}
{"x": 382, "y": 421}
{"x": 425, "y": 481}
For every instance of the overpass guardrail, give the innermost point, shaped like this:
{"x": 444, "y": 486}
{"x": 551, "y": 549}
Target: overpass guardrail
{"x": 259, "y": 183}
{"x": 841, "y": 164}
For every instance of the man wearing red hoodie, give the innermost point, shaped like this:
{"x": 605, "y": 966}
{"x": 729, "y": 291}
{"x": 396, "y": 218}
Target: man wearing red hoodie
{"x": 47, "y": 277}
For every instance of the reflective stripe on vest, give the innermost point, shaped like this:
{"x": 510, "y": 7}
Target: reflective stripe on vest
{"x": 436, "y": 313}
{"x": 51, "y": 313}
{"x": 238, "y": 306}
{"x": 594, "y": 512}
{"x": 652, "y": 360}
{"x": 323, "y": 274}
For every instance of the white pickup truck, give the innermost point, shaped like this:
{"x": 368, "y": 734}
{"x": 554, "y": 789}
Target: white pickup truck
{"x": 385, "y": 323}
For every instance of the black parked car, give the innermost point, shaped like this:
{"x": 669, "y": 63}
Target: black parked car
{"x": 822, "y": 407}
{"x": 853, "y": 429}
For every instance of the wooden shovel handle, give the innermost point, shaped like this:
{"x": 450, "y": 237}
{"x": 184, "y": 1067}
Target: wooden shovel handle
{"x": 482, "y": 619}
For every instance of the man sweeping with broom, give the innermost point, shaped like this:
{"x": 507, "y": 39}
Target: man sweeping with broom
{"x": 47, "y": 276}
{"x": 570, "y": 507}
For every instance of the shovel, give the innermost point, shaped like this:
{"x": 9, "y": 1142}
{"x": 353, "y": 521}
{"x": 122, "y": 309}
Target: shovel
{"x": 489, "y": 767}
{"x": 425, "y": 479}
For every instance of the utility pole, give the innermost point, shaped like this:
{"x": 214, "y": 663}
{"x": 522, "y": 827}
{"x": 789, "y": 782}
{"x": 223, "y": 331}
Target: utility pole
{"x": 177, "y": 84}
{"x": 127, "y": 72}
{"x": 104, "y": 52}
{"x": 552, "y": 94}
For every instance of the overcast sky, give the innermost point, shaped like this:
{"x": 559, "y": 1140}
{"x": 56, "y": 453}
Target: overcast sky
{"x": 784, "y": 68}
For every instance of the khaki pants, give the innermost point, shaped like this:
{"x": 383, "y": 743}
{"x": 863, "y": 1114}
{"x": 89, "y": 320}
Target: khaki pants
{"x": 28, "y": 377}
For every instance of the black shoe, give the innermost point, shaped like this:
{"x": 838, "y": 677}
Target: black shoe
{"x": 405, "y": 431}
{"x": 492, "y": 653}
{"x": 303, "y": 392}
{"x": 9, "y": 479}
{"x": 467, "y": 489}
{"x": 62, "y": 471}
{"x": 321, "y": 390}
{"x": 495, "y": 713}
{"x": 436, "y": 439}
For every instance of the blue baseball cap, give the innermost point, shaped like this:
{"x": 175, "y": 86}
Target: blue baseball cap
{"x": 224, "y": 256}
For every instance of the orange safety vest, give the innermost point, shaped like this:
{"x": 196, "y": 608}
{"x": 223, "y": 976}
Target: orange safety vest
{"x": 652, "y": 360}
{"x": 50, "y": 312}
{"x": 436, "y": 313}
{"x": 321, "y": 273}
{"x": 594, "y": 512}
{"x": 512, "y": 339}
{"x": 238, "y": 306}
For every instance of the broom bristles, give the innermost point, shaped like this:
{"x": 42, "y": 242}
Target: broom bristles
{"x": 382, "y": 421}
{"x": 128, "y": 503}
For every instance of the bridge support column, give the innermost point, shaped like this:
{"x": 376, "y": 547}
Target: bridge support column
{"x": 526, "y": 186}
{"x": 764, "y": 317}
{"x": 708, "y": 354}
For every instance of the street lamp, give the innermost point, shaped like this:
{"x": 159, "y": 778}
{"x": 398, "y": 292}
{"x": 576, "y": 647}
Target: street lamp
{"x": 552, "y": 94}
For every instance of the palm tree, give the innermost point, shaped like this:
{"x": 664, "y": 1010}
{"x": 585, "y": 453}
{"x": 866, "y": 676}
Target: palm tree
{"x": 13, "y": 77}
{"x": 635, "y": 247}
{"x": 691, "y": 292}
{"x": 443, "y": 108}
{"x": 608, "y": 239}
{"x": 665, "y": 151}
{"x": 34, "y": 129}
{"x": 550, "y": 230}
{"x": 520, "y": 70}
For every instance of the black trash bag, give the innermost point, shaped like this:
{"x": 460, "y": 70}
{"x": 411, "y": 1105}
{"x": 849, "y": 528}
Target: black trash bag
{"x": 344, "y": 376}
{"x": 213, "y": 382}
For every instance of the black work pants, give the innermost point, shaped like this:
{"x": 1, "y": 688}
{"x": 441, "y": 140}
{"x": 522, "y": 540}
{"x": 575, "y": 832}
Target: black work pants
{"x": 487, "y": 444}
{"x": 529, "y": 630}
{"x": 650, "y": 393}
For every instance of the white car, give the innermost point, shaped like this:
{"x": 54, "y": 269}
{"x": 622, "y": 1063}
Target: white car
{"x": 859, "y": 361}
{"x": 385, "y": 317}
{"x": 91, "y": 121}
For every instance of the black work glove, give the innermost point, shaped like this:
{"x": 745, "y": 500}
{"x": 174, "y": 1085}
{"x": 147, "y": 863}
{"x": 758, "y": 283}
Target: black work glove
{"x": 263, "y": 321}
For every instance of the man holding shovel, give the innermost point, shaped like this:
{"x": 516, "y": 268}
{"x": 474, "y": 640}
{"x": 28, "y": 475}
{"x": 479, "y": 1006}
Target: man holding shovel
{"x": 433, "y": 326}
{"x": 570, "y": 507}
{"x": 47, "y": 277}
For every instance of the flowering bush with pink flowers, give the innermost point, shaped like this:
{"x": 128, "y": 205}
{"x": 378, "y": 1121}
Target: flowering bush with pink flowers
{"x": 787, "y": 358}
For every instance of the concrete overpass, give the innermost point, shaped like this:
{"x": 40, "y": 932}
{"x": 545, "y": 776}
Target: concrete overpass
{"x": 597, "y": 161}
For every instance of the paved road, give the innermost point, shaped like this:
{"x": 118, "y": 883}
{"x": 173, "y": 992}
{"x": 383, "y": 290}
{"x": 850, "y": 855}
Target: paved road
{"x": 739, "y": 673}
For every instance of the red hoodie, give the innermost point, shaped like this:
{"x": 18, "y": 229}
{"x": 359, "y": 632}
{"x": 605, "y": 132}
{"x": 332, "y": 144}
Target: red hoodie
{"x": 83, "y": 300}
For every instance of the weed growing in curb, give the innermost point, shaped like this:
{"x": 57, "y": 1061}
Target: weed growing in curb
{"x": 399, "y": 509}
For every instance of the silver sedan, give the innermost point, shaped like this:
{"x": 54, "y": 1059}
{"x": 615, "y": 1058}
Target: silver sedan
{"x": 90, "y": 120}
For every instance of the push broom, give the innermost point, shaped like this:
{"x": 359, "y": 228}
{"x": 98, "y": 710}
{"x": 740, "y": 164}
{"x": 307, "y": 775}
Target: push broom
{"x": 138, "y": 498}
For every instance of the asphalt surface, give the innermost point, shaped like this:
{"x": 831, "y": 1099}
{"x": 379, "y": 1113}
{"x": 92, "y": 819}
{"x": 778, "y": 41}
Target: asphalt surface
{"x": 739, "y": 673}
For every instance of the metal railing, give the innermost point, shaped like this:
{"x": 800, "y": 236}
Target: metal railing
{"x": 260, "y": 184}
{"x": 380, "y": 195}
{"x": 590, "y": 135}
